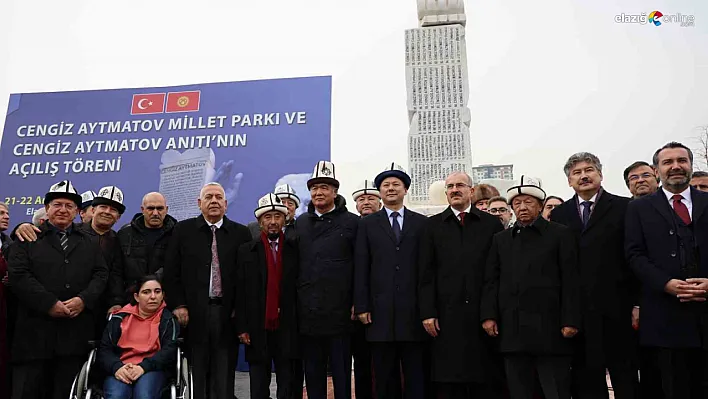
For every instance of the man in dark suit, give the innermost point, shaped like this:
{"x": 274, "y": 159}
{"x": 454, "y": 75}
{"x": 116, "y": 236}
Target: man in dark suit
{"x": 608, "y": 288}
{"x": 531, "y": 296}
{"x": 58, "y": 281}
{"x": 453, "y": 254}
{"x": 667, "y": 247}
{"x": 266, "y": 302}
{"x": 386, "y": 285}
{"x": 200, "y": 287}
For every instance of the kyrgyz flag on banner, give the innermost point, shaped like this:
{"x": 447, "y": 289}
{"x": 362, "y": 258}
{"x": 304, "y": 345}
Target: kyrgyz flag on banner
{"x": 183, "y": 101}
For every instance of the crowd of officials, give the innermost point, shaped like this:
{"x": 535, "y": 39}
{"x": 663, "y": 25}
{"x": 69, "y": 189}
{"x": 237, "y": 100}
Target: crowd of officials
{"x": 518, "y": 296}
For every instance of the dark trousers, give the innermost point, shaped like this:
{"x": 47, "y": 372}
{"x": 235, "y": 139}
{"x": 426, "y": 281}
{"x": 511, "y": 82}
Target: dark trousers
{"x": 361, "y": 352}
{"x": 684, "y": 372}
{"x": 553, "y": 373}
{"x": 388, "y": 359}
{"x": 260, "y": 372}
{"x": 447, "y": 390}
{"x": 588, "y": 381}
{"x": 43, "y": 379}
{"x": 214, "y": 361}
{"x": 649, "y": 374}
{"x": 316, "y": 351}
{"x": 298, "y": 378}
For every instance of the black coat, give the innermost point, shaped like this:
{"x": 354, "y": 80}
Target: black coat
{"x": 188, "y": 272}
{"x": 655, "y": 254}
{"x": 325, "y": 280}
{"x": 138, "y": 258}
{"x": 608, "y": 287}
{"x": 452, "y": 264}
{"x": 386, "y": 277}
{"x": 41, "y": 273}
{"x": 532, "y": 289}
{"x": 251, "y": 303}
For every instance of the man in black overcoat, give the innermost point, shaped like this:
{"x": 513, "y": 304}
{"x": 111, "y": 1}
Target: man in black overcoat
{"x": 452, "y": 259}
{"x": 609, "y": 290}
{"x": 58, "y": 281}
{"x": 386, "y": 288}
{"x": 531, "y": 298}
{"x": 200, "y": 287}
{"x": 266, "y": 302}
{"x": 667, "y": 247}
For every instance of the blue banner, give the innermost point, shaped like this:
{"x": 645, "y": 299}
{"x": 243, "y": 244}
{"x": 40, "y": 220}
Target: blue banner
{"x": 249, "y": 136}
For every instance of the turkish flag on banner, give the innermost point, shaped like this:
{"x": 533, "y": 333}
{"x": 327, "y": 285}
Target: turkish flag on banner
{"x": 183, "y": 101}
{"x": 148, "y": 104}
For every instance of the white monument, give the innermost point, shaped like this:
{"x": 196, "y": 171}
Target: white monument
{"x": 436, "y": 80}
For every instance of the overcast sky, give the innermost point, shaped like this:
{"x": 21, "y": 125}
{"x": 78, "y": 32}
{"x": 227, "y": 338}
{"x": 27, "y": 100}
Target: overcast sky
{"x": 547, "y": 79}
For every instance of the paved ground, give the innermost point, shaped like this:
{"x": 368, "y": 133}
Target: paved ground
{"x": 242, "y": 390}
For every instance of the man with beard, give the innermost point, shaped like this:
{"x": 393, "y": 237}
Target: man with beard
{"x": 609, "y": 290}
{"x": 144, "y": 245}
{"x": 666, "y": 244}
{"x": 86, "y": 208}
{"x": 453, "y": 254}
{"x": 266, "y": 302}
{"x": 551, "y": 203}
{"x": 58, "y": 281}
{"x": 289, "y": 198}
{"x": 200, "y": 282}
{"x": 641, "y": 179}
{"x": 386, "y": 285}
{"x": 699, "y": 181}
{"x": 326, "y": 236}
{"x": 367, "y": 198}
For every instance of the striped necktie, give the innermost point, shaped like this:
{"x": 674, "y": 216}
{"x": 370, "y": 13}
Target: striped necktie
{"x": 63, "y": 240}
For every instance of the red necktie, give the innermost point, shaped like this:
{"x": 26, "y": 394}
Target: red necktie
{"x": 462, "y": 218}
{"x": 680, "y": 209}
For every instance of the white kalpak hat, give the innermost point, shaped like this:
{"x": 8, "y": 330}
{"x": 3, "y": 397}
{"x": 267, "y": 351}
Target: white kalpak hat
{"x": 112, "y": 196}
{"x": 285, "y": 191}
{"x": 63, "y": 189}
{"x": 323, "y": 173}
{"x": 529, "y": 186}
{"x": 366, "y": 187}
{"x": 270, "y": 202}
{"x": 86, "y": 199}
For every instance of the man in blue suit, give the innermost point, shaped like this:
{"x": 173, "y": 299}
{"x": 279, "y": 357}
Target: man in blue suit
{"x": 386, "y": 288}
{"x": 667, "y": 247}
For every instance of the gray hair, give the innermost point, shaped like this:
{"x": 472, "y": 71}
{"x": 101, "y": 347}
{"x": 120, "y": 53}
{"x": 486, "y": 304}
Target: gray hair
{"x": 211, "y": 184}
{"x": 581, "y": 157}
{"x": 4, "y": 205}
{"x": 39, "y": 213}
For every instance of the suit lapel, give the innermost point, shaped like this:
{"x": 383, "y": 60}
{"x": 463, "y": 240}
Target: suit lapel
{"x": 385, "y": 225}
{"x": 659, "y": 201}
{"x": 262, "y": 263}
{"x": 572, "y": 213}
{"x": 601, "y": 208}
{"x": 410, "y": 223}
{"x": 700, "y": 201}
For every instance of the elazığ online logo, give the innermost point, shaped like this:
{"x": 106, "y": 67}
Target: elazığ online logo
{"x": 657, "y": 18}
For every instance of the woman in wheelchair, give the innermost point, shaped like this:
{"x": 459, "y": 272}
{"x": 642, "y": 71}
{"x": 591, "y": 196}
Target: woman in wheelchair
{"x": 139, "y": 345}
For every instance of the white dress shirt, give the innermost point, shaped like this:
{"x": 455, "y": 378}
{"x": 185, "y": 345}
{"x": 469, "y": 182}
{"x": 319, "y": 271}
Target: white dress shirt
{"x": 399, "y": 218}
{"x": 218, "y": 226}
{"x": 593, "y": 202}
{"x": 686, "y": 194}
{"x": 457, "y": 213}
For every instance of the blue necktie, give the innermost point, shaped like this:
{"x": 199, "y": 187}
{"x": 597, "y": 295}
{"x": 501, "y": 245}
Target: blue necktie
{"x": 395, "y": 226}
{"x": 586, "y": 212}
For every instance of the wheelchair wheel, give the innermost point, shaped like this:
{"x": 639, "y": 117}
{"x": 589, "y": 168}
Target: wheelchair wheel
{"x": 78, "y": 388}
{"x": 186, "y": 377}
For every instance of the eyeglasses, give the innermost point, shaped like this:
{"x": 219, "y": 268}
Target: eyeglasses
{"x": 67, "y": 206}
{"x": 645, "y": 175}
{"x": 458, "y": 186}
{"x": 495, "y": 211}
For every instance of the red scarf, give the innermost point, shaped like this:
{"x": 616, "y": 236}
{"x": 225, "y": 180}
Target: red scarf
{"x": 275, "y": 273}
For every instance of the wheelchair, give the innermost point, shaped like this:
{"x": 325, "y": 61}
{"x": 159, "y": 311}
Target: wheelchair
{"x": 88, "y": 384}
